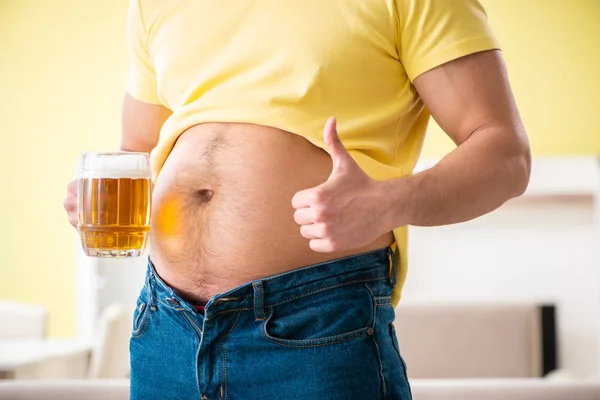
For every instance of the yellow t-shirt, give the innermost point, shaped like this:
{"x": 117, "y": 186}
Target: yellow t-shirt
{"x": 292, "y": 64}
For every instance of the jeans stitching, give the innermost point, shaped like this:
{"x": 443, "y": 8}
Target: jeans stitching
{"x": 383, "y": 386}
{"x": 368, "y": 253}
{"x": 147, "y": 282}
{"x": 397, "y": 348}
{"x": 262, "y": 301}
{"x": 344, "y": 337}
{"x": 224, "y": 346}
{"x": 259, "y": 310}
{"x": 395, "y": 340}
{"x": 143, "y": 323}
{"x": 149, "y": 289}
{"x": 325, "y": 289}
{"x": 192, "y": 324}
{"x": 145, "y": 318}
{"x": 299, "y": 270}
{"x": 381, "y": 375}
{"x": 197, "y": 363}
{"x": 356, "y": 335}
{"x": 227, "y": 311}
{"x": 198, "y": 332}
{"x": 138, "y": 319}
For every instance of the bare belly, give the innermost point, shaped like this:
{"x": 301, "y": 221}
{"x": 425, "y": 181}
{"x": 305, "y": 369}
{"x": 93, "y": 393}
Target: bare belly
{"x": 222, "y": 213}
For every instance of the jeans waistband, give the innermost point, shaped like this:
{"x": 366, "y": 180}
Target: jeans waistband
{"x": 270, "y": 291}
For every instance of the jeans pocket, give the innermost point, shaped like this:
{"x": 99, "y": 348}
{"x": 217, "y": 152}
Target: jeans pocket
{"x": 327, "y": 317}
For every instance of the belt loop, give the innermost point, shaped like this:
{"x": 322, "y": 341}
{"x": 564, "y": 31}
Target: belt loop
{"x": 393, "y": 257}
{"x": 259, "y": 303}
{"x": 150, "y": 283}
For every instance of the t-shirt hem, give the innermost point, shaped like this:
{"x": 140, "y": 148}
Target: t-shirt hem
{"x": 143, "y": 95}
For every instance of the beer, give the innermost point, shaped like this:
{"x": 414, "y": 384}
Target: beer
{"x": 114, "y": 204}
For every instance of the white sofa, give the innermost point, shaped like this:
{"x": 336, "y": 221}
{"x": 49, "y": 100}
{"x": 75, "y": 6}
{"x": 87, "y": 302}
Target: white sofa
{"x": 423, "y": 389}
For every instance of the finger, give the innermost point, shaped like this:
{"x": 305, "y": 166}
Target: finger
{"x": 71, "y": 199}
{"x": 305, "y": 198}
{"x": 71, "y": 208}
{"x": 335, "y": 147}
{"x": 322, "y": 245}
{"x": 304, "y": 216}
{"x": 69, "y": 205}
{"x": 70, "y": 202}
{"x": 330, "y": 135}
{"x": 312, "y": 231}
{"x": 72, "y": 186}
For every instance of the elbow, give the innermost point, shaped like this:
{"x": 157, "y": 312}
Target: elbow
{"x": 520, "y": 167}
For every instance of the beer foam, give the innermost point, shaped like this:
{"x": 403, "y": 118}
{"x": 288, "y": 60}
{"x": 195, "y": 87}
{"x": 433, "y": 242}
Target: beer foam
{"x": 112, "y": 174}
{"x": 114, "y": 165}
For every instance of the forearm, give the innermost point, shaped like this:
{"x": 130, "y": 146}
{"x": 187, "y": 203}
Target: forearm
{"x": 476, "y": 178}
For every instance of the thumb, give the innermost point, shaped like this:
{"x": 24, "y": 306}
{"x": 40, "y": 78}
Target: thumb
{"x": 335, "y": 147}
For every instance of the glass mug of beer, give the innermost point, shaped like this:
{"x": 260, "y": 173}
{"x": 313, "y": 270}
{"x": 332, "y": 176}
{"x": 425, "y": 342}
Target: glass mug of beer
{"x": 114, "y": 203}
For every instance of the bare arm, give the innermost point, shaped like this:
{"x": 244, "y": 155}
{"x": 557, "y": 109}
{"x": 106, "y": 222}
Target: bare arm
{"x": 471, "y": 100}
{"x": 141, "y": 124}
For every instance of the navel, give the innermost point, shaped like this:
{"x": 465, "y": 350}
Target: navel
{"x": 205, "y": 195}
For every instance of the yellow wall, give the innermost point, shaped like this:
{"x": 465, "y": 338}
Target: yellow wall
{"x": 62, "y": 70}
{"x": 552, "y": 49}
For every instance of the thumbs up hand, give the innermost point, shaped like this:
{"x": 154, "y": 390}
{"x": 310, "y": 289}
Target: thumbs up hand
{"x": 346, "y": 211}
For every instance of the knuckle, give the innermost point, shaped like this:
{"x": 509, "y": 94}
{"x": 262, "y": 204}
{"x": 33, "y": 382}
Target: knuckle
{"x": 326, "y": 230}
{"x": 320, "y": 213}
{"x": 332, "y": 245}
{"x": 318, "y": 195}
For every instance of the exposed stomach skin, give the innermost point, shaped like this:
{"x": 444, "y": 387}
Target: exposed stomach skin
{"x": 222, "y": 213}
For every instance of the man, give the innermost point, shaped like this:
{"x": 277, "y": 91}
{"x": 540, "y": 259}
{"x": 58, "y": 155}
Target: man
{"x": 279, "y": 246}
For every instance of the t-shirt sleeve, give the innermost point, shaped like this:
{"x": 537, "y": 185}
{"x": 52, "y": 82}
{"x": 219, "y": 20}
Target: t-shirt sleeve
{"x": 434, "y": 32}
{"x": 141, "y": 81}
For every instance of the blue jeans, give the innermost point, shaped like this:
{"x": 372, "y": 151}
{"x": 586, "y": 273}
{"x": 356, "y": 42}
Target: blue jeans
{"x": 320, "y": 332}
